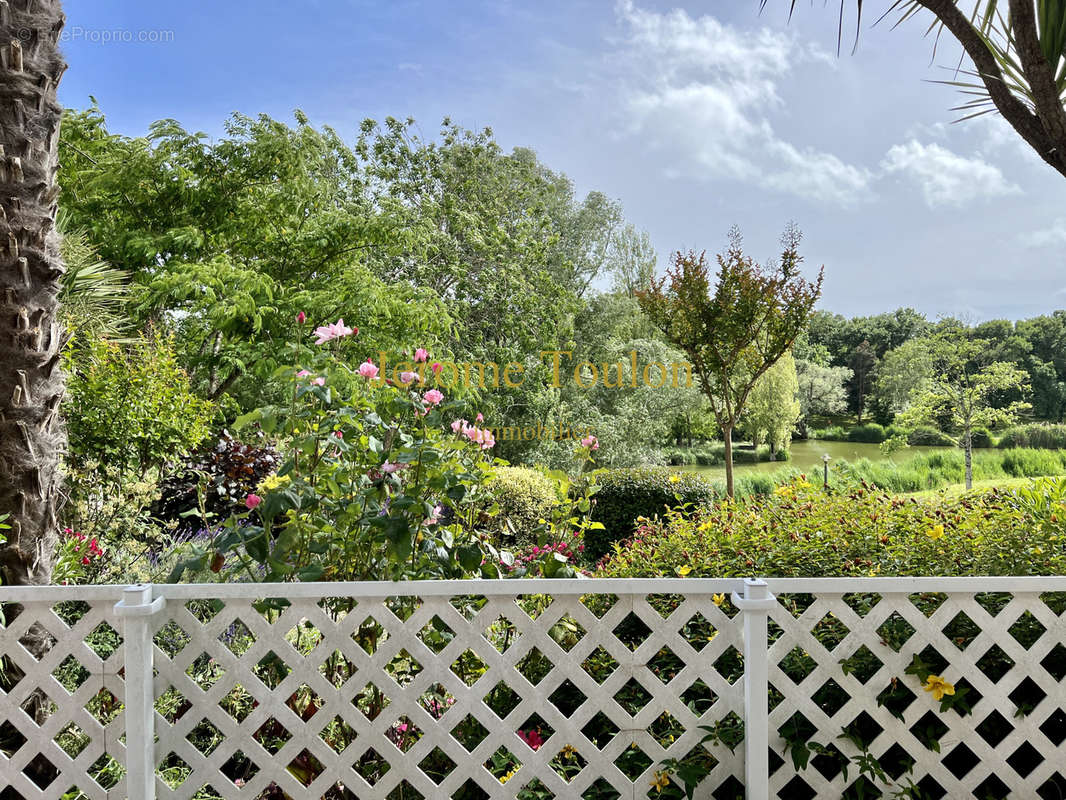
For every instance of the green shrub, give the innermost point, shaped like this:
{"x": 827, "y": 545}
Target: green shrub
{"x": 834, "y": 433}
{"x": 981, "y": 437}
{"x": 524, "y": 496}
{"x": 871, "y": 433}
{"x": 800, "y": 530}
{"x": 1051, "y": 437}
{"x": 626, "y": 494}
{"x": 928, "y": 436}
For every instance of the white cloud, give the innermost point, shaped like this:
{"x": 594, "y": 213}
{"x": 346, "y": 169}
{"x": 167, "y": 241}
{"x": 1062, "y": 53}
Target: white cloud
{"x": 701, "y": 89}
{"x": 946, "y": 178}
{"x": 1052, "y": 236}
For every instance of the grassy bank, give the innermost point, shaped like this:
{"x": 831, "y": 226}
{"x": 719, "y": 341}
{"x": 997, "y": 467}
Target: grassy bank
{"x": 939, "y": 470}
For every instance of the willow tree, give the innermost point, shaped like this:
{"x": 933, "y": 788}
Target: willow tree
{"x": 736, "y": 330}
{"x": 31, "y": 337}
{"x": 1017, "y": 61}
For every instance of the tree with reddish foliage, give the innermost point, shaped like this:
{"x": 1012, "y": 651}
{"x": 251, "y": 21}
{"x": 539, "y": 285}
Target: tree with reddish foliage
{"x": 736, "y": 330}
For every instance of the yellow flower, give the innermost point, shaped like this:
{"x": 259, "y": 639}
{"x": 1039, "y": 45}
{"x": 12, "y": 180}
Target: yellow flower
{"x": 718, "y": 599}
{"x": 936, "y": 532}
{"x": 683, "y": 571}
{"x": 660, "y": 781}
{"x": 938, "y": 686}
{"x": 272, "y": 482}
{"x": 568, "y": 752}
{"x": 509, "y": 775}
{"x": 675, "y": 478}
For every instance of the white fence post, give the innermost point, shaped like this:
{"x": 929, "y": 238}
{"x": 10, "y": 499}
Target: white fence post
{"x": 136, "y": 608}
{"x": 755, "y": 604}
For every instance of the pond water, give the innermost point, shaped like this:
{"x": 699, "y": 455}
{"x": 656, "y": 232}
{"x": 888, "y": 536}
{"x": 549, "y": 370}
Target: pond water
{"x": 807, "y": 456}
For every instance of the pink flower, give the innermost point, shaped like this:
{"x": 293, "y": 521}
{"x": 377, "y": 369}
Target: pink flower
{"x": 368, "y": 370}
{"x": 318, "y": 382}
{"x": 421, "y": 355}
{"x": 407, "y": 378}
{"x": 433, "y": 397}
{"x": 532, "y": 738}
{"x": 436, "y": 367}
{"x": 591, "y": 442}
{"x": 301, "y": 318}
{"x": 480, "y": 436}
{"x": 252, "y": 500}
{"x": 388, "y": 467}
{"x": 334, "y": 330}
{"x": 480, "y": 418}
{"x": 302, "y": 373}
{"x": 339, "y": 434}
{"x": 459, "y": 425}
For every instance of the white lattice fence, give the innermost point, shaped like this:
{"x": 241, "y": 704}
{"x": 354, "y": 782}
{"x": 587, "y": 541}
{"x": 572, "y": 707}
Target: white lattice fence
{"x": 61, "y": 693}
{"x": 839, "y": 663}
{"x": 530, "y": 689}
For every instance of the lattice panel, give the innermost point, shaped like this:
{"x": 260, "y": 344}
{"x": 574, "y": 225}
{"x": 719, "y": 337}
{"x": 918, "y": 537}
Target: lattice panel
{"x": 61, "y": 693}
{"x": 449, "y": 696}
{"x": 839, "y": 661}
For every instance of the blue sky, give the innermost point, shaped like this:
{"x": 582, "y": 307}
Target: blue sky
{"x": 695, "y": 115}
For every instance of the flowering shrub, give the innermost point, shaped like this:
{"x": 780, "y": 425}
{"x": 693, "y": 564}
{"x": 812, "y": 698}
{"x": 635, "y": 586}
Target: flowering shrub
{"x": 76, "y": 557}
{"x": 371, "y": 486}
{"x": 801, "y": 530}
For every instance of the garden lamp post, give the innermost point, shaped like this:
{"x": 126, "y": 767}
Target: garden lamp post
{"x": 825, "y": 471}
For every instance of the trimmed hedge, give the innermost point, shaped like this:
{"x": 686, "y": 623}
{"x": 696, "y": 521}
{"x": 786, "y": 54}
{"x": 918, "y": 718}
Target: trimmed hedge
{"x": 801, "y": 530}
{"x": 626, "y": 494}
{"x": 525, "y": 496}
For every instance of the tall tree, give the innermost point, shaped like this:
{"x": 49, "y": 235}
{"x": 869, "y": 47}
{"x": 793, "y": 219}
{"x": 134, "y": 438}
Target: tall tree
{"x": 822, "y": 390}
{"x": 773, "y": 407}
{"x": 963, "y": 388}
{"x": 31, "y": 336}
{"x": 1017, "y": 62}
{"x": 735, "y": 333}
{"x": 863, "y": 363}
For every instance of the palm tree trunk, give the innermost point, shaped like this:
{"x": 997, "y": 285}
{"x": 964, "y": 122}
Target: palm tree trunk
{"x": 32, "y": 438}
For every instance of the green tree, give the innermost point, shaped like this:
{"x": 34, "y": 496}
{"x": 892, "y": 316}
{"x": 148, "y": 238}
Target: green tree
{"x": 902, "y": 373}
{"x": 633, "y": 264}
{"x": 821, "y": 390}
{"x": 863, "y": 364}
{"x": 773, "y": 407}
{"x": 1018, "y": 62}
{"x": 32, "y": 438}
{"x": 963, "y": 388}
{"x": 736, "y": 331}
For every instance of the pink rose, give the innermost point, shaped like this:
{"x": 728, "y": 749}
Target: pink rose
{"x": 252, "y": 501}
{"x": 433, "y": 397}
{"x": 302, "y": 373}
{"x": 368, "y": 370}
{"x": 407, "y": 378}
{"x": 421, "y": 355}
{"x": 436, "y": 367}
{"x": 301, "y": 318}
{"x": 591, "y": 442}
{"x": 334, "y": 330}
{"x": 458, "y": 425}
{"x": 318, "y": 382}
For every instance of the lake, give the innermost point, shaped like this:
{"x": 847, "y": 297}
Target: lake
{"x": 807, "y": 456}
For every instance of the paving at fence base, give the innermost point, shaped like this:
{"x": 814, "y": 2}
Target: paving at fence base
{"x": 537, "y": 689}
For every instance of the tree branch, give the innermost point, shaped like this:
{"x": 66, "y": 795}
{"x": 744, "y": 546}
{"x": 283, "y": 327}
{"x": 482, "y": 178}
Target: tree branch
{"x": 1038, "y": 71}
{"x": 1014, "y": 111}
